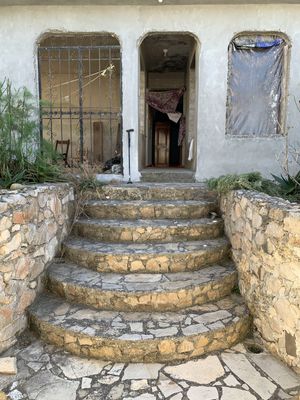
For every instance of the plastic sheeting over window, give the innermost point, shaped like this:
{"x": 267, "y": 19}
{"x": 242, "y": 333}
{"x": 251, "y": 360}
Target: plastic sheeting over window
{"x": 256, "y": 86}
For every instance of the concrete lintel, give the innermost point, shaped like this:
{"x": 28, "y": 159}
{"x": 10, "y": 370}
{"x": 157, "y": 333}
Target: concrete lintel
{"x": 139, "y": 2}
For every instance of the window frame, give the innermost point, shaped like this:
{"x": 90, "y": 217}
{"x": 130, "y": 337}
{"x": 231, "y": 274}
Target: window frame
{"x": 282, "y": 130}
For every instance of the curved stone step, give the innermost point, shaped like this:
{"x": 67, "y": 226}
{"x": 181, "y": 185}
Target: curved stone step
{"x": 141, "y": 292}
{"x": 140, "y": 337}
{"x": 155, "y": 209}
{"x": 153, "y": 191}
{"x": 145, "y": 258}
{"x": 167, "y": 175}
{"x": 150, "y": 231}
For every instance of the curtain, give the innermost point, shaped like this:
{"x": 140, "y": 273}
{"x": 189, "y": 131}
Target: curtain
{"x": 166, "y": 102}
{"x": 256, "y": 73}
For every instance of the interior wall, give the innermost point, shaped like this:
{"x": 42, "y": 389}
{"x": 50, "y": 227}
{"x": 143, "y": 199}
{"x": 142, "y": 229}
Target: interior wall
{"x": 191, "y": 109}
{"x": 61, "y": 128}
{"x": 191, "y": 131}
{"x": 142, "y": 121}
{"x": 165, "y": 80}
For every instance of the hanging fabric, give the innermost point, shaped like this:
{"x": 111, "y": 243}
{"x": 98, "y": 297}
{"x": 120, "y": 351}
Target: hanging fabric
{"x": 191, "y": 150}
{"x": 175, "y": 117}
{"x": 166, "y": 102}
{"x": 256, "y": 69}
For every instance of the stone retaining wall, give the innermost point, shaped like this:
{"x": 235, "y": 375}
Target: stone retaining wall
{"x": 33, "y": 222}
{"x": 265, "y": 237}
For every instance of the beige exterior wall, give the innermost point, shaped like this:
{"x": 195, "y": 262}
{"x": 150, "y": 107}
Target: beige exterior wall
{"x": 214, "y": 26}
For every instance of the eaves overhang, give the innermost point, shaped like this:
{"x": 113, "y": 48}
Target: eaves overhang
{"x": 138, "y": 2}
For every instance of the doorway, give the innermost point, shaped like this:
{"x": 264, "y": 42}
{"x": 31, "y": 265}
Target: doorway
{"x": 165, "y": 135}
{"x": 167, "y": 129}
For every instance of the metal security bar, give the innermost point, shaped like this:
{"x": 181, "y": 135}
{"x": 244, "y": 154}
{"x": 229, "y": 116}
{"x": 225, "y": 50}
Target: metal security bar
{"x": 80, "y": 93}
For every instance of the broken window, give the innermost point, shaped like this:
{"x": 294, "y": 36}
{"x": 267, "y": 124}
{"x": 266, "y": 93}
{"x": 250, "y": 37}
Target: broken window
{"x": 80, "y": 92}
{"x": 256, "y": 86}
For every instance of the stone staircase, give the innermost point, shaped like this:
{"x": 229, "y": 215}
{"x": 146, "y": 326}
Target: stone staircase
{"x": 167, "y": 175}
{"x": 145, "y": 277}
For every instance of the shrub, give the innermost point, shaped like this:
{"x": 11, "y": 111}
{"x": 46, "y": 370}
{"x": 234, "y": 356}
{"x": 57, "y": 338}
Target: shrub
{"x": 225, "y": 183}
{"x": 289, "y": 184}
{"x": 253, "y": 181}
{"x": 23, "y": 157}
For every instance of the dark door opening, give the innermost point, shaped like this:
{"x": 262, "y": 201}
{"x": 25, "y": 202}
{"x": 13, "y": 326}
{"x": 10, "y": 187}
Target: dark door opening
{"x": 167, "y": 95}
{"x": 165, "y": 133}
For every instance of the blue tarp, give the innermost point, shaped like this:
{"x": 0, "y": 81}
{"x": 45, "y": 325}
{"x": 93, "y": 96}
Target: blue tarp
{"x": 264, "y": 44}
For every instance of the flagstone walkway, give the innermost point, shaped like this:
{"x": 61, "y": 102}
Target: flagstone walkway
{"x": 48, "y": 373}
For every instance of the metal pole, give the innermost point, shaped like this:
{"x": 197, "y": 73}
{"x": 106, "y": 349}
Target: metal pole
{"x": 40, "y": 97}
{"x": 129, "y": 171}
{"x": 80, "y": 71}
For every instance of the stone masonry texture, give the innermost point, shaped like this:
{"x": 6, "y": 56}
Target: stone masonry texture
{"x": 33, "y": 223}
{"x": 98, "y": 303}
{"x": 265, "y": 237}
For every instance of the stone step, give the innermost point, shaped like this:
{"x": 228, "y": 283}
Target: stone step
{"x": 140, "y": 337}
{"x": 153, "y": 191}
{"x": 167, "y": 175}
{"x": 150, "y": 231}
{"x": 141, "y": 292}
{"x": 145, "y": 258}
{"x": 155, "y": 209}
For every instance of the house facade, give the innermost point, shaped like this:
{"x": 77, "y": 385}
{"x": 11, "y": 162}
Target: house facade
{"x": 210, "y": 88}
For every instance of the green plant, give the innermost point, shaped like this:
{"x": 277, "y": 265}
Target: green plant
{"x": 23, "y": 157}
{"x": 280, "y": 187}
{"x": 290, "y": 184}
{"x": 225, "y": 183}
{"x": 45, "y": 167}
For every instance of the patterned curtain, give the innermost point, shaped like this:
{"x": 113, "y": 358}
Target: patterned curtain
{"x": 166, "y": 102}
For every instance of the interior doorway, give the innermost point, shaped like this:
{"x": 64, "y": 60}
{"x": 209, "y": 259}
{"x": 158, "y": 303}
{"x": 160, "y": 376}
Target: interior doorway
{"x": 168, "y": 101}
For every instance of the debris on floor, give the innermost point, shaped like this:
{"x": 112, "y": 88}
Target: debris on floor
{"x": 8, "y": 366}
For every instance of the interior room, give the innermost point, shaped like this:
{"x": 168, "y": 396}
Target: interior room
{"x": 168, "y": 101}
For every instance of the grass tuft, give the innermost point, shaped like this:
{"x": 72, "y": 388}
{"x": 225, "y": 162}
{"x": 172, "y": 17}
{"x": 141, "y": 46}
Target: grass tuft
{"x": 253, "y": 181}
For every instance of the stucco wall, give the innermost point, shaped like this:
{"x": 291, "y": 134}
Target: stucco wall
{"x": 214, "y": 26}
{"x": 33, "y": 222}
{"x": 265, "y": 237}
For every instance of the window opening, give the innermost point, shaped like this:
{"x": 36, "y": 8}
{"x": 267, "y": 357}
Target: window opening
{"x": 256, "y": 86}
{"x": 80, "y": 93}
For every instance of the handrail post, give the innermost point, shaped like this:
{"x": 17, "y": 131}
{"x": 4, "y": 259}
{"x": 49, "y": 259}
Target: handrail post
{"x": 129, "y": 144}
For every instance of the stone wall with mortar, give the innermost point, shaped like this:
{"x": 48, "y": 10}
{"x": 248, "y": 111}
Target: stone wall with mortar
{"x": 33, "y": 222}
{"x": 265, "y": 235}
